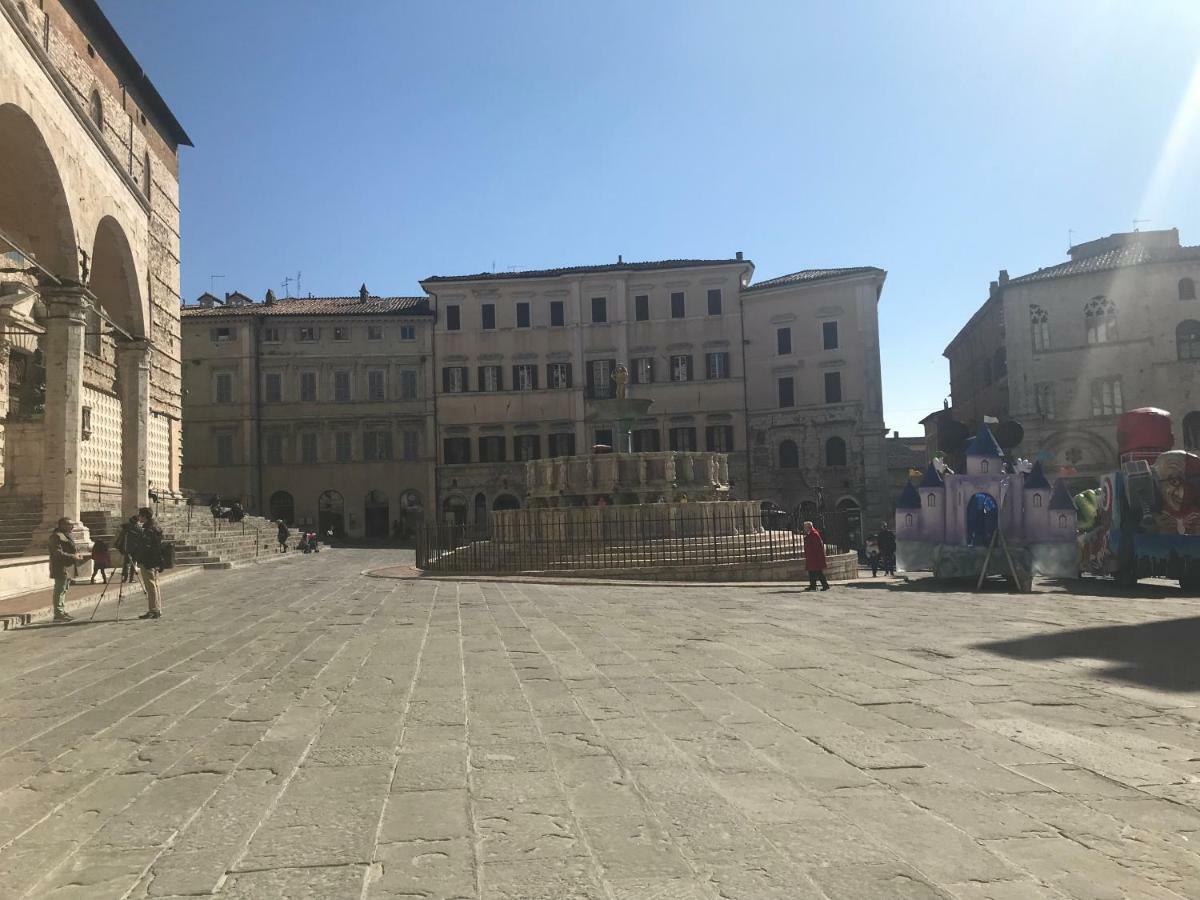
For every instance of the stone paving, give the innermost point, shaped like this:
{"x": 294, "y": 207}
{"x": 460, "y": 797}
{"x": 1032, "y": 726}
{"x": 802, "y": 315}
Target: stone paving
{"x": 310, "y": 732}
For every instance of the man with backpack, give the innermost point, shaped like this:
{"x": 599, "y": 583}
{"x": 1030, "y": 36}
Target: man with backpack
{"x": 148, "y": 551}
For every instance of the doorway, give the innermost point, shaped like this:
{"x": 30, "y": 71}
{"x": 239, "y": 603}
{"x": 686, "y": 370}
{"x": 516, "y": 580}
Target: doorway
{"x": 375, "y": 516}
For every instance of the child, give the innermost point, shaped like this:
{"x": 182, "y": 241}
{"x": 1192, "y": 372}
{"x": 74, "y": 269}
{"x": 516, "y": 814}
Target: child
{"x": 100, "y": 561}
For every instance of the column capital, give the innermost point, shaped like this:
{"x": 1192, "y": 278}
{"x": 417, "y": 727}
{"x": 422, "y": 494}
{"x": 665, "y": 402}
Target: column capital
{"x": 135, "y": 348}
{"x": 67, "y": 301}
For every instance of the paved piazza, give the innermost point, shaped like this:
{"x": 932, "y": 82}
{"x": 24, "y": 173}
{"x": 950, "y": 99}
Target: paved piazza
{"x": 302, "y": 730}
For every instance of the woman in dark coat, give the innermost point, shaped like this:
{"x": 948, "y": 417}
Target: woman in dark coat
{"x": 814, "y": 557}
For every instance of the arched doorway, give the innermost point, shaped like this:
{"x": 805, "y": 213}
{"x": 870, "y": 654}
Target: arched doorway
{"x": 454, "y": 511}
{"x": 506, "y": 501}
{"x": 283, "y": 506}
{"x": 375, "y": 516}
{"x": 481, "y": 515}
{"x": 331, "y": 515}
{"x": 982, "y": 517}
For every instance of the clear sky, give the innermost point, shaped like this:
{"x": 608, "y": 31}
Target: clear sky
{"x": 380, "y": 141}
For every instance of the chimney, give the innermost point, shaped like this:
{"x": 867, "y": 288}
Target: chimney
{"x": 1003, "y": 277}
{"x": 270, "y": 298}
{"x": 896, "y": 434}
{"x": 363, "y": 294}
{"x": 620, "y": 259}
{"x": 738, "y": 256}
{"x": 993, "y": 289}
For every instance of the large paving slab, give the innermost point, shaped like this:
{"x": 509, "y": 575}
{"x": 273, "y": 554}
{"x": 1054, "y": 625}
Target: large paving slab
{"x": 309, "y": 731}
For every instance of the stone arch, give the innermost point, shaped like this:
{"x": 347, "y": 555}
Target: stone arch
{"x": 835, "y": 452}
{"x": 34, "y": 209}
{"x": 114, "y": 277}
{"x": 789, "y": 455}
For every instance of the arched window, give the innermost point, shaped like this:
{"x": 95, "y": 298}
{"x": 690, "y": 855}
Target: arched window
{"x": 1187, "y": 289}
{"x": 789, "y": 455}
{"x": 1037, "y": 499}
{"x": 1191, "y": 431}
{"x": 96, "y": 109}
{"x": 1062, "y": 521}
{"x": 1187, "y": 339}
{"x": 835, "y": 452}
{"x": 147, "y": 178}
{"x": 908, "y": 518}
{"x": 983, "y": 466}
{"x": 931, "y": 500}
{"x": 1039, "y": 322}
{"x": 283, "y": 506}
{"x": 1100, "y": 317}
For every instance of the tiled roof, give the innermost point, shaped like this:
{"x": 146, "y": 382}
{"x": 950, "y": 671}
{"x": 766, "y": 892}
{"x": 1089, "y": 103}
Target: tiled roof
{"x": 806, "y": 275}
{"x": 909, "y": 498}
{"x": 589, "y": 270}
{"x": 320, "y": 306}
{"x": 1134, "y": 254}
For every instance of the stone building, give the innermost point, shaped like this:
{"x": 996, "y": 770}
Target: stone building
{"x": 317, "y": 410}
{"x": 1064, "y": 350}
{"x": 89, "y": 273}
{"x": 815, "y": 396}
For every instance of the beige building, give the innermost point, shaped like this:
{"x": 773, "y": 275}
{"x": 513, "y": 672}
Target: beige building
{"x": 1064, "y": 350}
{"x": 89, "y": 292}
{"x": 318, "y": 410}
{"x": 815, "y": 396}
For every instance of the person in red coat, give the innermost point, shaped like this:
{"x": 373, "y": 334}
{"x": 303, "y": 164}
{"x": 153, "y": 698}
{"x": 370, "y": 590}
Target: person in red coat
{"x": 814, "y": 557}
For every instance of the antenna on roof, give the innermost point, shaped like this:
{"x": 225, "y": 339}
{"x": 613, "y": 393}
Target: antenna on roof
{"x": 1137, "y": 222}
{"x": 212, "y": 282}
{"x": 286, "y": 284}
{"x": 1070, "y": 238}
{"x": 299, "y": 293}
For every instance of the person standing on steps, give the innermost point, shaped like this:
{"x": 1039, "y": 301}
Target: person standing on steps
{"x": 147, "y": 551}
{"x": 64, "y": 555}
{"x": 814, "y": 557}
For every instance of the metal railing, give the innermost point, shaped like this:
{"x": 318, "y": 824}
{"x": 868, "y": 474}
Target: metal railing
{"x": 637, "y": 540}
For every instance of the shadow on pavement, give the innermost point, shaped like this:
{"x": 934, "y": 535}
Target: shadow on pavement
{"x": 1153, "y": 654}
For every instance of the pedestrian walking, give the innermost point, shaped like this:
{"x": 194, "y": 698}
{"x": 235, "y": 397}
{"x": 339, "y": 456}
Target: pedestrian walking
{"x": 147, "y": 547}
{"x": 64, "y": 556}
{"x": 873, "y": 559}
{"x": 101, "y": 561}
{"x": 887, "y": 549}
{"x": 282, "y": 536}
{"x": 814, "y": 557}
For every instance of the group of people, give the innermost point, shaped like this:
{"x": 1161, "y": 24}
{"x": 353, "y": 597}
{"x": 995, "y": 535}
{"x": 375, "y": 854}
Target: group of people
{"x": 881, "y": 551}
{"x": 881, "y": 554}
{"x": 231, "y": 513}
{"x": 140, "y": 543}
{"x": 308, "y": 539}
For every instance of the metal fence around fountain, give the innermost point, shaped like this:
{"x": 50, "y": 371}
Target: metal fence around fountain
{"x": 669, "y": 538}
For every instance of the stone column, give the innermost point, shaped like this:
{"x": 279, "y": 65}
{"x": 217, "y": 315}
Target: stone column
{"x": 66, "y": 322}
{"x": 5, "y": 352}
{"x": 133, "y": 376}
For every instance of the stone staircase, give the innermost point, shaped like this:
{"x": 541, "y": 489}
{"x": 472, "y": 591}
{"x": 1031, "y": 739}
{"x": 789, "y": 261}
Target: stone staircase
{"x": 19, "y": 518}
{"x": 198, "y": 543}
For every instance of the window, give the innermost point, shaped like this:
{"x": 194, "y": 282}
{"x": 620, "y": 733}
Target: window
{"x": 341, "y": 446}
{"x": 375, "y": 384}
{"x": 931, "y": 499}
{"x": 1043, "y": 399}
{"x": 789, "y": 455}
{"x": 489, "y": 379}
{"x": 908, "y": 519}
{"x": 271, "y": 335}
{"x": 643, "y": 370}
{"x": 341, "y": 334}
{"x": 377, "y": 445}
{"x": 308, "y": 387}
{"x": 599, "y": 375}
{"x": 683, "y": 439}
{"x": 522, "y": 315}
{"x": 375, "y": 332}
{"x": 411, "y": 445}
{"x": 146, "y": 173}
{"x": 599, "y": 309}
{"x": 525, "y": 378}
{"x": 489, "y": 316}
{"x": 641, "y": 307}
{"x": 1100, "y": 317}
{"x": 1187, "y": 339}
{"x": 527, "y": 446}
{"x": 647, "y": 440}
{"x": 681, "y": 368}
{"x": 1039, "y": 322}
{"x": 308, "y": 447}
{"x": 224, "y": 388}
{"x": 718, "y": 438}
{"x": 678, "y": 305}
{"x": 716, "y": 365}
{"x": 787, "y": 391}
{"x": 491, "y": 448}
{"x": 1187, "y": 289}
{"x": 603, "y": 437}
{"x": 557, "y": 316}
{"x": 96, "y": 109}
{"x": 274, "y": 450}
{"x": 408, "y": 385}
{"x": 558, "y": 375}
{"x": 454, "y": 379}
{"x": 309, "y": 334}
{"x": 829, "y": 335}
{"x": 783, "y": 341}
{"x": 714, "y": 302}
{"x": 408, "y": 332}
{"x": 1106, "y": 397}
{"x": 1037, "y": 499}
{"x": 835, "y": 452}
{"x": 562, "y": 445}
{"x": 223, "y": 335}
{"x": 225, "y": 449}
{"x": 273, "y": 387}
{"x": 341, "y": 386}
{"x": 833, "y": 387}
{"x": 453, "y": 317}
{"x": 456, "y": 451}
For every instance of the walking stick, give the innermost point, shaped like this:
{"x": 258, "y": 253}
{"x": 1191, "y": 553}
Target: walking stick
{"x": 101, "y": 598}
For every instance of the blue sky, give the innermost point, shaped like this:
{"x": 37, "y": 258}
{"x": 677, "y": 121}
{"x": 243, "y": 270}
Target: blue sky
{"x": 381, "y": 141}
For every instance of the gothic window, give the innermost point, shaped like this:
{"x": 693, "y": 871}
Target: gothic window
{"x": 983, "y": 466}
{"x": 789, "y": 455}
{"x": 1039, "y": 321}
{"x": 1187, "y": 339}
{"x": 908, "y": 519}
{"x": 1100, "y": 317}
{"x": 1062, "y": 521}
{"x": 1037, "y": 499}
{"x": 931, "y": 501}
{"x": 1187, "y": 289}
